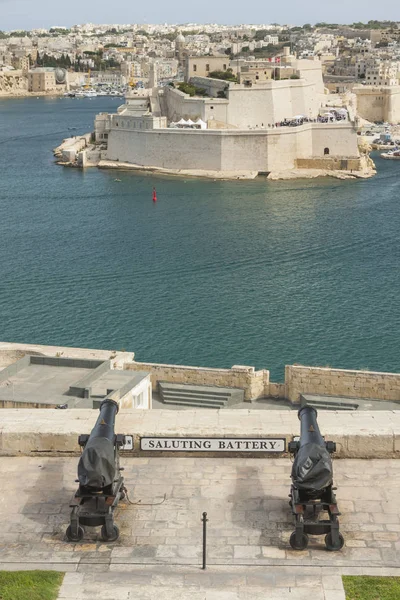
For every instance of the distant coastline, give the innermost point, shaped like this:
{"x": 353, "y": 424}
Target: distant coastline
{"x": 26, "y": 94}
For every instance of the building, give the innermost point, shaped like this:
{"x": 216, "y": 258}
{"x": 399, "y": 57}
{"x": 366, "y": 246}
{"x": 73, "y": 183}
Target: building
{"x": 382, "y": 73}
{"x": 201, "y": 66}
{"x": 41, "y": 80}
{"x": 180, "y": 44}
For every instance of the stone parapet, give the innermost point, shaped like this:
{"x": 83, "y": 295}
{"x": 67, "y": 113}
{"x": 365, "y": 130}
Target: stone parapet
{"x": 340, "y": 382}
{"x": 255, "y": 383}
{"x": 54, "y": 432}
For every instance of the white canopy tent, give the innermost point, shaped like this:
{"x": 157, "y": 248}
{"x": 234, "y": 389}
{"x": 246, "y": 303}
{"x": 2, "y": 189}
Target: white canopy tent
{"x": 201, "y": 124}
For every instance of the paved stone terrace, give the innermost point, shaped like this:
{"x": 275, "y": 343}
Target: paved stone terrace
{"x": 160, "y": 544}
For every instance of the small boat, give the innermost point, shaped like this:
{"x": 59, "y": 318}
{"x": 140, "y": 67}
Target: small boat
{"x": 117, "y": 179}
{"x": 392, "y": 155}
{"x": 90, "y": 94}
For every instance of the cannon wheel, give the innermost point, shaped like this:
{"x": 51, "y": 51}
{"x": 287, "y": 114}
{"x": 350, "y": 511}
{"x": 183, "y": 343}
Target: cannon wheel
{"x": 108, "y": 538}
{"x": 74, "y": 538}
{"x": 329, "y": 545}
{"x": 304, "y": 541}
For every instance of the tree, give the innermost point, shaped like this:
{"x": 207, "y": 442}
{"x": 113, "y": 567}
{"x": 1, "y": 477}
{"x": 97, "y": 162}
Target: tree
{"x": 227, "y": 75}
{"x": 191, "y": 90}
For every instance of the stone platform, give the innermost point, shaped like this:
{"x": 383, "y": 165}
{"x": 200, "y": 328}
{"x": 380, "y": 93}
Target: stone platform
{"x": 47, "y": 431}
{"x": 159, "y": 550}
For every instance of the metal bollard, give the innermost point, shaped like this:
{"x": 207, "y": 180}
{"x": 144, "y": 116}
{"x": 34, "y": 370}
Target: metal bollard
{"x": 204, "y": 519}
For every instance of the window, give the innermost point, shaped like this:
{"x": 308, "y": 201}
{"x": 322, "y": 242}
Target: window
{"x": 326, "y": 151}
{"x": 212, "y": 108}
{"x": 257, "y": 77}
{"x": 194, "y": 68}
{"x": 224, "y": 67}
{"x": 207, "y": 68}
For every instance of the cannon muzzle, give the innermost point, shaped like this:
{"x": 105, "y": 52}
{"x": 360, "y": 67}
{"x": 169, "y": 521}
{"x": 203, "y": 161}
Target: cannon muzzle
{"x": 97, "y": 465}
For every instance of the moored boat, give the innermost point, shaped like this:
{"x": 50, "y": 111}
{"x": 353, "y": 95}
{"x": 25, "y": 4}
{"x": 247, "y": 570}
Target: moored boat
{"x": 393, "y": 155}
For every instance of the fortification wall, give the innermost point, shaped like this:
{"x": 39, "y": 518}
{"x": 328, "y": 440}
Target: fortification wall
{"x": 255, "y": 383}
{"x": 179, "y": 105}
{"x": 271, "y": 102}
{"x": 230, "y": 150}
{"x": 340, "y": 382}
{"x": 378, "y": 104}
{"x": 393, "y": 115}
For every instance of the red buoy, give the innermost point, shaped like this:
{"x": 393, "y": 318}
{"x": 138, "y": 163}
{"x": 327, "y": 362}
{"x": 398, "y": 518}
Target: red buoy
{"x": 154, "y": 195}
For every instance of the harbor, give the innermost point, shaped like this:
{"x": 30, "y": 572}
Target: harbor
{"x": 266, "y": 273}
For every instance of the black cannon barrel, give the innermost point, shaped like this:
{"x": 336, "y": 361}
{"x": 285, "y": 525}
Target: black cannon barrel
{"x": 97, "y": 466}
{"x": 309, "y": 430}
{"x": 312, "y": 467}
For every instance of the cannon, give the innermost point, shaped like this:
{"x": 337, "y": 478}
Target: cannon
{"x": 101, "y": 485}
{"x": 312, "y": 491}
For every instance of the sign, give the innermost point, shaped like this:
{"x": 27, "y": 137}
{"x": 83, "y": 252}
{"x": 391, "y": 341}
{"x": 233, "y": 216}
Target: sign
{"x": 128, "y": 443}
{"x": 211, "y": 444}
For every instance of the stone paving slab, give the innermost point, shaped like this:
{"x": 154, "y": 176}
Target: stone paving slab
{"x": 218, "y": 583}
{"x": 357, "y": 434}
{"x": 248, "y": 529}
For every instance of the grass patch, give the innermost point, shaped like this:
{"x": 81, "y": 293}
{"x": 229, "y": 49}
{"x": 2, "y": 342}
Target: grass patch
{"x": 371, "y": 588}
{"x": 32, "y": 585}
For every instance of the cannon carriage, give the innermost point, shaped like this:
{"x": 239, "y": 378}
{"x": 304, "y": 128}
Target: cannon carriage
{"x": 101, "y": 485}
{"x": 312, "y": 491}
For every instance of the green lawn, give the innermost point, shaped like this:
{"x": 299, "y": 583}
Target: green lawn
{"x": 30, "y": 585}
{"x": 371, "y": 588}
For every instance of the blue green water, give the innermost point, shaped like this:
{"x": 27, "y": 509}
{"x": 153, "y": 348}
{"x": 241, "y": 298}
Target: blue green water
{"x": 214, "y": 274}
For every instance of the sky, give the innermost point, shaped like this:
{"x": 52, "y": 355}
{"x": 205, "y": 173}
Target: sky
{"x": 31, "y": 14}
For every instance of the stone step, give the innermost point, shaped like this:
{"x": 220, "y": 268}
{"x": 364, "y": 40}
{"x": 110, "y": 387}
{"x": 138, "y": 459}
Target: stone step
{"x": 324, "y": 403}
{"x": 190, "y": 394}
{"x": 200, "y": 396}
{"x": 201, "y": 389}
{"x": 194, "y": 402}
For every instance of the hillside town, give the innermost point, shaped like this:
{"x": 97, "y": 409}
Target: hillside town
{"x": 261, "y": 99}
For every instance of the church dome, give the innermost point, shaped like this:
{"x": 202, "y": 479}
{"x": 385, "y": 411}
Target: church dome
{"x": 180, "y": 39}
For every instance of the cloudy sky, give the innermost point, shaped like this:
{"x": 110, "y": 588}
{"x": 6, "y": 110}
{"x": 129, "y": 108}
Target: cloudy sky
{"x": 29, "y": 14}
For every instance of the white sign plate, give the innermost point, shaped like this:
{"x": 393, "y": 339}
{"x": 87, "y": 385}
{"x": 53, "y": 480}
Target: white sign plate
{"x": 128, "y": 443}
{"x": 211, "y": 444}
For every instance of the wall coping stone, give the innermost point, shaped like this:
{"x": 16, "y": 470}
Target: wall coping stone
{"x": 50, "y": 432}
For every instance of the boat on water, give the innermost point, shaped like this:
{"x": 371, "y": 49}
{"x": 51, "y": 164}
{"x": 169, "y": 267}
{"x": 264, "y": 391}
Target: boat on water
{"x": 90, "y": 94}
{"x": 392, "y": 155}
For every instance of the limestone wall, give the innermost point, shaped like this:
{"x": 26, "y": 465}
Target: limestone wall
{"x": 378, "y": 104}
{"x": 179, "y": 105}
{"x": 330, "y": 163}
{"x": 340, "y": 382}
{"x": 333, "y": 137}
{"x": 51, "y": 432}
{"x": 230, "y": 150}
{"x": 271, "y": 102}
{"x": 255, "y": 383}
